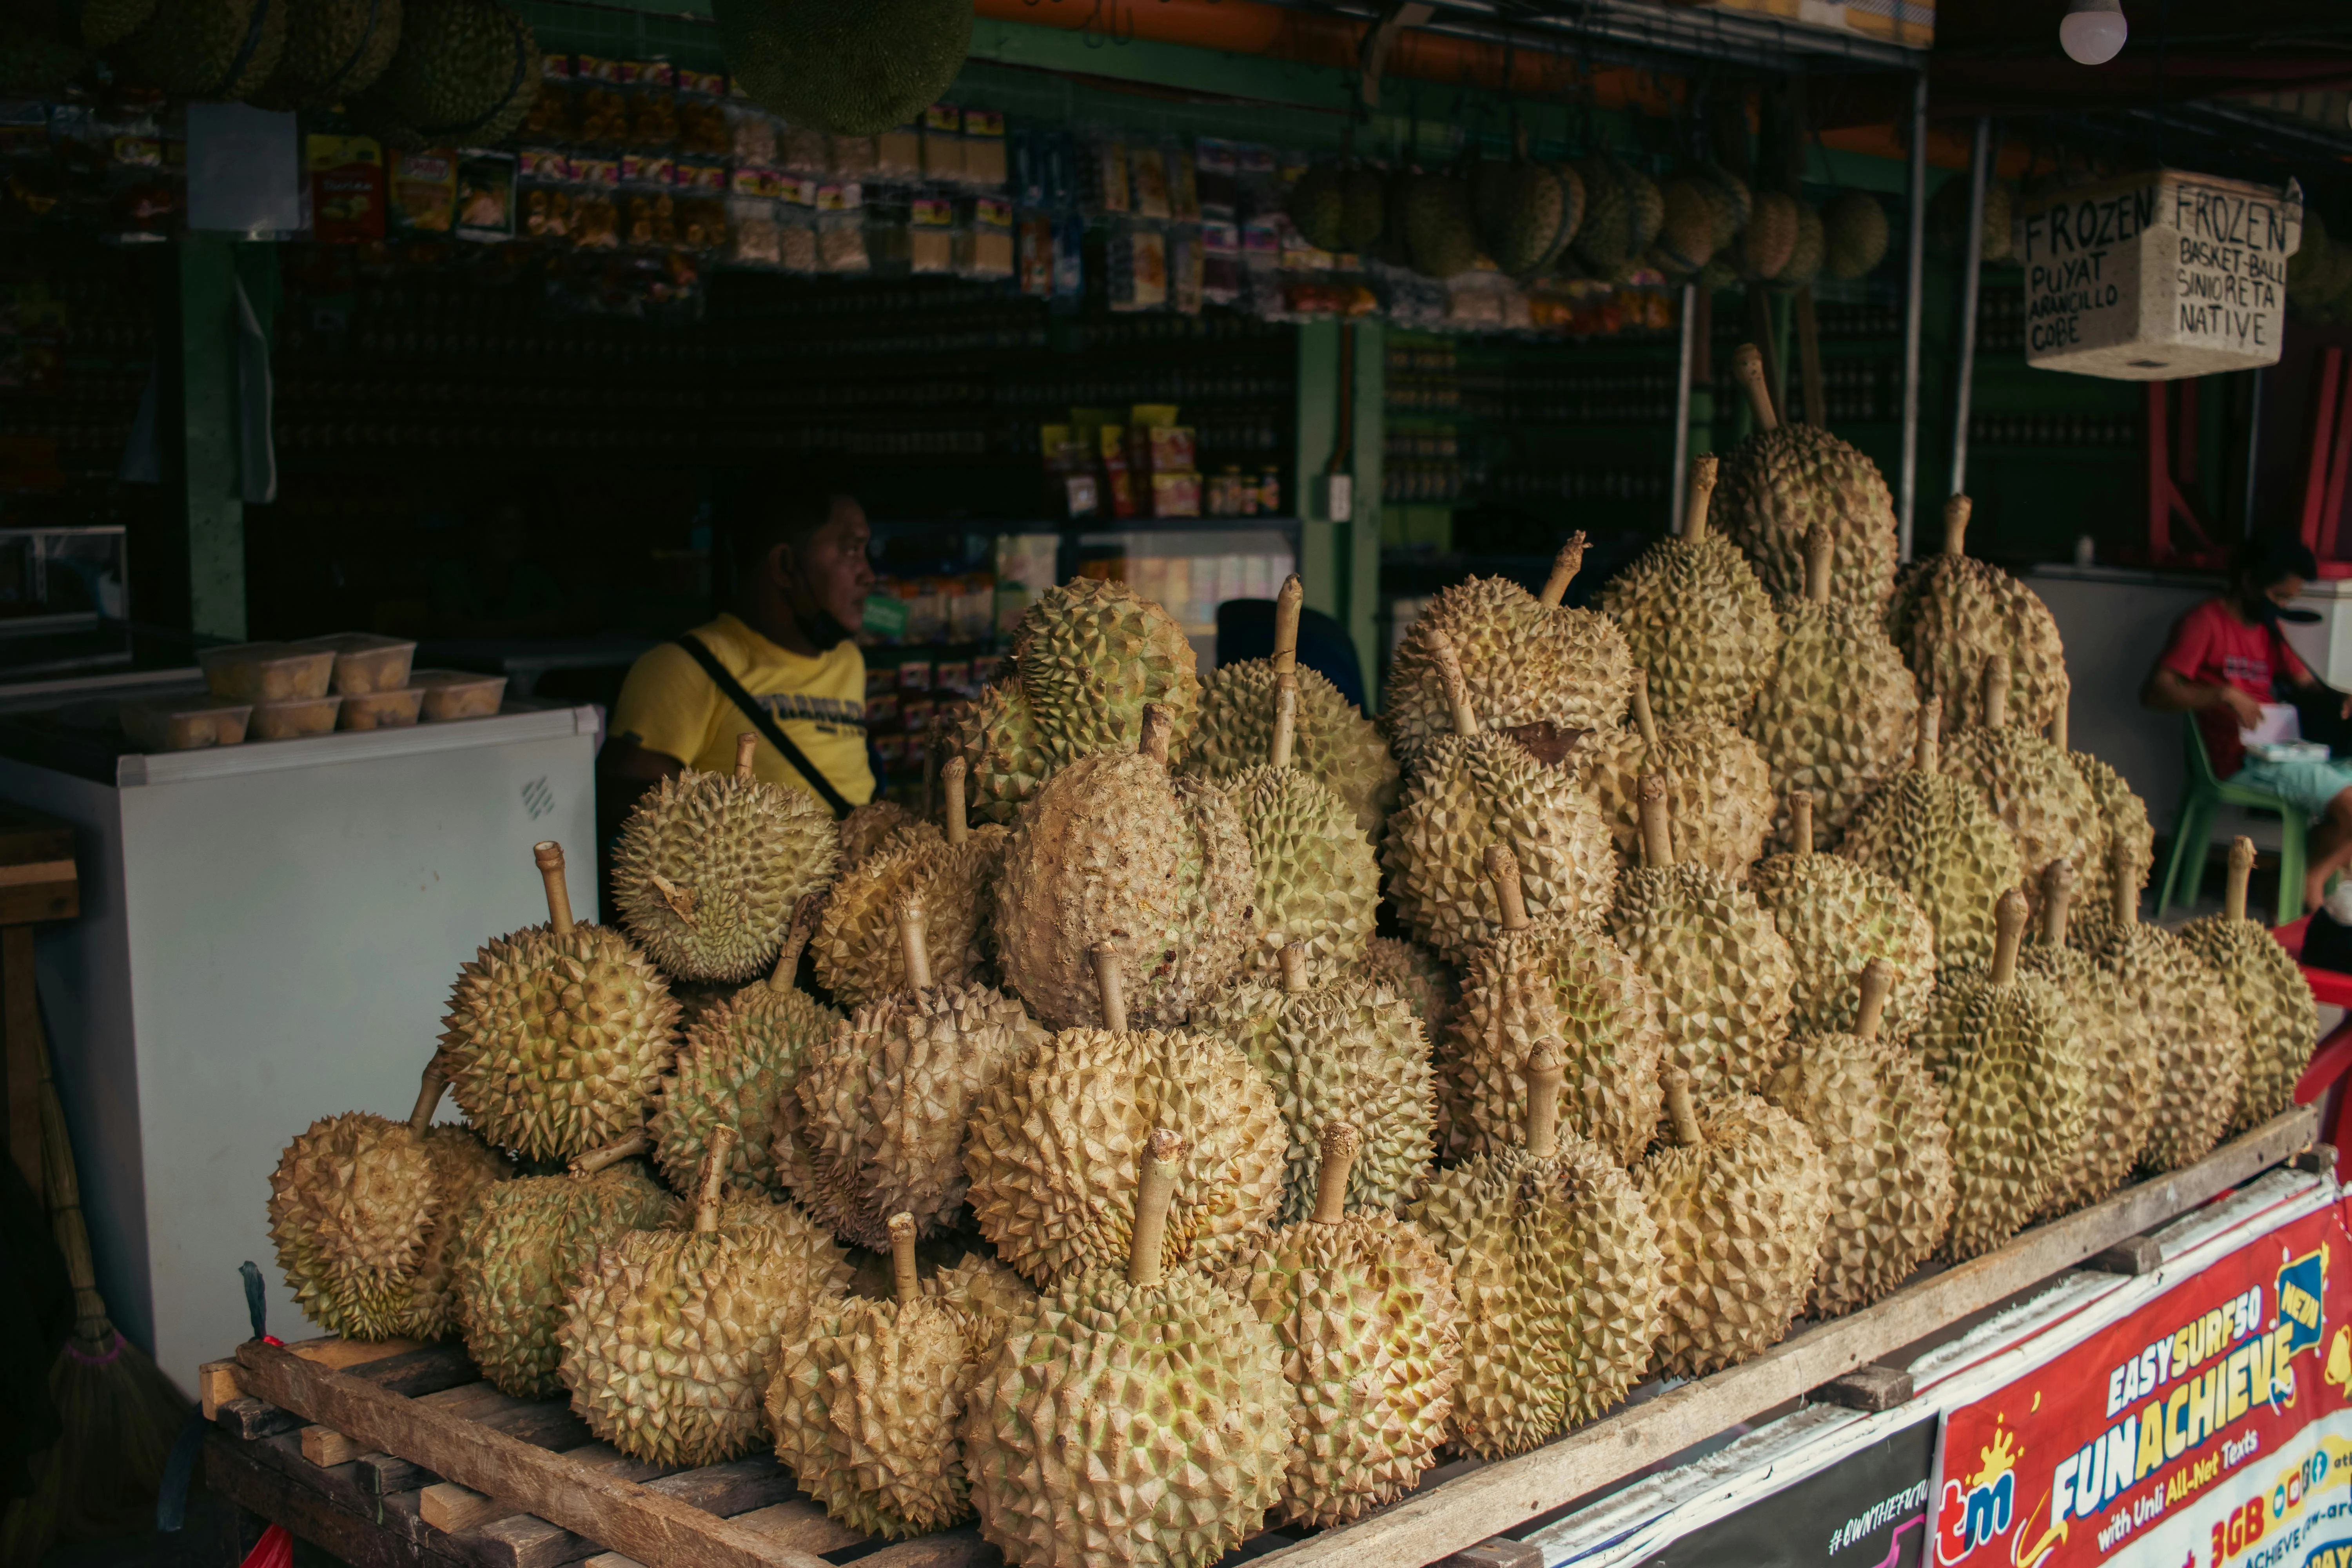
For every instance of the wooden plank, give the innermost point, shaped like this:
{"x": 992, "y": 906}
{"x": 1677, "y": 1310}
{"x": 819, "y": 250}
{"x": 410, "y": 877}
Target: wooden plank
{"x": 1489, "y": 1500}
{"x": 446, "y": 1506}
{"x": 544, "y": 1423}
{"x": 248, "y": 1418}
{"x": 948, "y": 1548}
{"x": 216, "y": 1380}
{"x": 238, "y": 1473}
{"x": 1498, "y": 1553}
{"x": 1872, "y": 1388}
{"x": 324, "y": 1446}
{"x": 2132, "y": 1256}
{"x": 739, "y": 1486}
{"x": 513, "y": 1537}
{"x": 803, "y": 1526}
{"x": 20, "y": 1028}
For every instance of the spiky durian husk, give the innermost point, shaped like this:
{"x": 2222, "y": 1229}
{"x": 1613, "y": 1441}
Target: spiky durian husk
{"x": 1054, "y": 1147}
{"x": 1316, "y": 883}
{"x": 1334, "y": 743}
{"x": 1349, "y": 1051}
{"x": 1469, "y": 793}
{"x": 864, "y": 1407}
{"x": 1838, "y": 718}
{"x": 519, "y": 1250}
{"x": 2173, "y": 997}
{"x": 1740, "y": 1215}
{"x": 987, "y": 1295}
{"x": 1370, "y": 1345}
{"x": 1878, "y": 1118}
{"x": 1950, "y": 612}
{"x": 2016, "y": 1092}
{"x": 555, "y": 1042}
{"x": 875, "y": 1124}
{"x": 1937, "y": 839}
{"x": 1719, "y": 791}
{"x": 2122, "y": 815}
{"x": 1837, "y": 916}
{"x": 737, "y": 1061}
{"x": 464, "y": 1169}
{"x": 1695, "y": 617}
{"x": 1128, "y": 1426}
{"x": 859, "y": 957}
{"x": 1777, "y": 487}
{"x": 742, "y": 851}
{"x": 1115, "y": 850}
{"x": 352, "y": 1205}
{"x": 1719, "y": 968}
{"x": 2119, "y": 1065}
{"x": 1509, "y": 1278}
{"x": 880, "y": 822}
{"x": 1417, "y": 975}
{"x": 2037, "y": 795}
{"x": 2274, "y": 1008}
{"x": 1611, "y": 1261}
{"x": 1524, "y": 664}
{"x": 1574, "y": 986}
{"x": 1009, "y": 757}
{"x": 669, "y": 1336}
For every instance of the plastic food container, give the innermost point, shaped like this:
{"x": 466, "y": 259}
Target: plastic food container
{"x": 459, "y": 693}
{"x": 183, "y": 724}
{"x": 267, "y": 671}
{"x": 365, "y": 662}
{"x": 294, "y": 717}
{"x": 383, "y": 710}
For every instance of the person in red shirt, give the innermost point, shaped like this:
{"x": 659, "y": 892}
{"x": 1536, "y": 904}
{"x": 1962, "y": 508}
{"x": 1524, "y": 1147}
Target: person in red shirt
{"x": 2225, "y": 660}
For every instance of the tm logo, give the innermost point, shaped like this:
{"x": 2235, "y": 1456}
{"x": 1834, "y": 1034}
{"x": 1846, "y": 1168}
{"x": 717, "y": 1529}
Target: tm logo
{"x": 537, "y": 798}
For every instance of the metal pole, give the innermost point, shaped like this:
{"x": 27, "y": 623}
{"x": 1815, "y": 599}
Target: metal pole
{"x": 2253, "y": 449}
{"x": 1917, "y": 229}
{"x": 1682, "y": 405}
{"x": 1964, "y": 375}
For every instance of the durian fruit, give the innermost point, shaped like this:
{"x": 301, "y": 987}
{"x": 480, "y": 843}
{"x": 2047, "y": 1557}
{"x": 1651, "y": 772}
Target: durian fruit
{"x": 1116, "y": 849}
{"x": 1789, "y": 482}
{"x": 1834, "y": 914}
{"x": 1333, "y": 742}
{"x": 1136, "y": 1417}
{"x": 2004, "y": 1050}
{"x": 1363, "y": 1304}
{"x": 1687, "y": 234}
{"x": 1741, "y": 1195}
{"x": 1474, "y": 788}
{"x": 1936, "y": 837}
{"x": 1556, "y": 981}
{"x": 206, "y": 48}
{"x": 1054, "y": 1143}
{"x": 1533, "y": 666}
{"x": 1316, "y": 883}
{"x": 1764, "y": 247}
{"x": 2119, "y": 1061}
{"x": 854, "y": 71}
{"x": 669, "y": 1337}
{"x": 988, "y": 1297}
{"x": 88, "y": 25}
{"x": 466, "y": 73}
{"x": 1318, "y": 207}
{"x": 1720, "y": 968}
{"x": 1696, "y": 617}
{"x": 709, "y": 867}
{"x": 522, "y": 1243}
{"x": 2032, "y": 786}
{"x": 2123, "y": 815}
{"x": 1837, "y": 719}
{"x": 2273, "y": 999}
{"x": 1088, "y": 658}
{"x": 464, "y": 1168}
{"x": 1624, "y": 210}
{"x": 1854, "y": 234}
{"x": 1950, "y": 612}
{"x": 1347, "y": 1050}
{"x": 333, "y": 49}
{"x": 1805, "y": 257}
{"x": 557, "y": 1035}
{"x": 877, "y": 823}
{"x": 1527, "y": 211}
{"x": 1878, "y": 1118}
{"x": 1557, "y": 1271}
{"x": 1721, "y": 789}
{"x": 1413, "y": 973}
{"x": 865, "y": 1400}
{"x": 1437, "y": 221}
{"x": 859, "y": 958}
{"x": 875, "y": 1124}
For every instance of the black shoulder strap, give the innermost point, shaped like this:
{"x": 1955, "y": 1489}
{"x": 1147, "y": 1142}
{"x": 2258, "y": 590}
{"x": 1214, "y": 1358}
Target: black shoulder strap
{"x": 765, "y": 722}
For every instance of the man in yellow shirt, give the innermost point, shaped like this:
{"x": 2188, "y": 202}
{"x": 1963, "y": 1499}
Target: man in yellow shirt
{"x": 783, "y": 664}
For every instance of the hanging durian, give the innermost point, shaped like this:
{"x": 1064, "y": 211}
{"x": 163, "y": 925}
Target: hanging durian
{"x": 669, "y": 1337}
{"x": 2273, "y": 999}
{"x": 1719, "y": 967}
{"x": 1789, "y": 481}
{"x": 1116, "y": 849}
{"x": 1316, "y": 883}
{"x": 1363, "y": 1303}
{"x": 1835, "y": 913}
{"x": 2119, "y": 1062}
{"x": 1696, "y": 617}
{"x": 2005, "y": 1052}
{"x": 1054, "y": 1143}
{"x": 1136, "y": 1417}
{"x": 1741, "y": 1197}
{"x": 1950, "y": 613}
{"x": 1415, "y": 974}
{"x": 1878, "y": 1118}
{"x": 1345, "y": 1050}
{"x": 2031, "y": 785}
{"x": 876, "y": 1123}
{"x": 1837, "y": 719}
{"x": 858, "y": 955}
{"x": 1474, "y": 788}
{"x": 1936, "y": 837}
{"x": 1560, "y": 981}
{"x": 1334, "y": 743}
{"x": 557, "y": 1035}
{"x": 2121, "y": 815}
{"x": 1721, "y": 789}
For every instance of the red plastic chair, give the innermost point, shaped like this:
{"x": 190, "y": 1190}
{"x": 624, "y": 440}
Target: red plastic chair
{"x": 2331, "y": 1059}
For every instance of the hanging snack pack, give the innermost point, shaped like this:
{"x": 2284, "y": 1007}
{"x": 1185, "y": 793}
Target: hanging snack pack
{"x": 486, "y": 195}
{"x": 423, "y": 192}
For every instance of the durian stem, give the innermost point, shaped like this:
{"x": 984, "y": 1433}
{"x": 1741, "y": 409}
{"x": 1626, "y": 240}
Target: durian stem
{"x": 1509, "y": 891}
{"x": 1820, "y": 555}
{"x": 796, "y": 936}
{"x": 1931, "y": 724}
{"x": 1702, "y": 491}
{"x": 745, "y": 745}
{"x": 1546, "y": 1070}
{"x": 1645, "y": 720}
{"x": 1457, "y": 690}
{"x": 1996, "y": 692}
{"x": 1801, "y": 821}
{"x": 2009, "y": 930}
{"x": 549, "y": 856}
{"x": 2057, "y": 900}
{"x": 1878, "y": 980}
{"x": 1657, "y": 828}
{"x": 436, "y": 1082}
{"x": 2119, "y": 859}
{"x": 2242, "y": 865}
{"x": 1747, "y": 365}
{"x": 951, "y": 777}
{"x": 2058, "y": 729}
{"x": 1564, "y": 568}
{"x": 1294, "y": 967}
{"x": 1153, "y": 1195}
{"x": 1956, "y": 525}
{"x": 1112, "y": 986}
{"x": 612, "y": 1154}
{"x": 1338, "y": 1145}
{"x": 1158, "y": 725}
{"x": 1285, "y": 720}
{"x": 713, "y": 1179}
{"x": 903, "y": 1282}
{"x": 1680, "y": 1112}
{"x": 912, "y": 919}
{"x": 1286, "y": 604}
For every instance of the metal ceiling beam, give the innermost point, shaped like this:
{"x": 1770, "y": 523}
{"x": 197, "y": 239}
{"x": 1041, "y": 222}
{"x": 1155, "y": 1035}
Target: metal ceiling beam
{"x": 1625, "y": 31}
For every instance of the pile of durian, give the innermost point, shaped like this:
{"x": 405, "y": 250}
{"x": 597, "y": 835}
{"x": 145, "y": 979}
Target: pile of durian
{"x": 1220, "y": 1107}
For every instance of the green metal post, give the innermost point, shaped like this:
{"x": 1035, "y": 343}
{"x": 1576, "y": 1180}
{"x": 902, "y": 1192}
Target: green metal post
{"x": 1363, "y": 620}
{"x": 206, "y": 466}
{"x": 1339, "y": 562}
{"x": 1320, "y": 546}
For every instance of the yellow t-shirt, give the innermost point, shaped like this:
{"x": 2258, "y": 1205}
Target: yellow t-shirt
{"x": 669, "y": 705}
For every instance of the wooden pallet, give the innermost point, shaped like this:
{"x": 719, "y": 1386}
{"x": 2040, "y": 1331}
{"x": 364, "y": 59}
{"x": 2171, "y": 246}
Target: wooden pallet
{"x": 399, "y": 1454}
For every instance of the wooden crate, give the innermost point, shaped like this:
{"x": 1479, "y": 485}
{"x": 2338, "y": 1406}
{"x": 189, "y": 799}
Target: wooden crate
{"x": 400, "y": 1454}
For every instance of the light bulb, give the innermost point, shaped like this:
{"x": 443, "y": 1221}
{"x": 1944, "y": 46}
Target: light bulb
{"x": 2093, "y": 31}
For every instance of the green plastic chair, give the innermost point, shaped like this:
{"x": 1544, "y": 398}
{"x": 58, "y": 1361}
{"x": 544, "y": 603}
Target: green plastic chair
{"x": 2193, "y": 831}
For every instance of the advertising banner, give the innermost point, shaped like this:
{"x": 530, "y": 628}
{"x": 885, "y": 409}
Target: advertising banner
{"x": 1868, "y": 1511}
